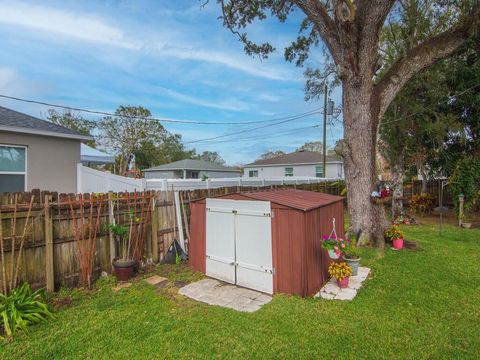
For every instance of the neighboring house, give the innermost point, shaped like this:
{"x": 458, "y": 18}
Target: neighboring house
{"x": 90, "y": 156}
{"x": 37, "y": 154}
{"x": 299, "y": 163}
{"x": 190, "y": 169}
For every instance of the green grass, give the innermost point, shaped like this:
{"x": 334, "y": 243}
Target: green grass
{"x": 416, "y": 304}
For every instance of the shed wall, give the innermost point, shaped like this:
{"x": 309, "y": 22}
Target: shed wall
{"x": 299, "y": 261}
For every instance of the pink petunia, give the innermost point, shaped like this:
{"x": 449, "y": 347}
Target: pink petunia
{"x": 343, "y": 246}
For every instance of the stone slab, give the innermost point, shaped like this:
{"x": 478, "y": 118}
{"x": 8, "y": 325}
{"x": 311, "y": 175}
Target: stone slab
{"x": 331, "y": 290}
{"x": 155, "y": 280}
{"x": 214, "y": 292}
{"x": 122, "y": 286}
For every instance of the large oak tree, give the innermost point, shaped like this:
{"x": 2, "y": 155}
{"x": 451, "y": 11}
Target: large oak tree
{"x": 350, "y": 31}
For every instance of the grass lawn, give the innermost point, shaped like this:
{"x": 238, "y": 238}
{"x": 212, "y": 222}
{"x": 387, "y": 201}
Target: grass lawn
{"x": 416, "y": 304}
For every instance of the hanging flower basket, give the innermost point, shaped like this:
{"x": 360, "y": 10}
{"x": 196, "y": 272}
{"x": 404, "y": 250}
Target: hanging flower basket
{"x": 334, "y": 255}
{"x": 334, "y": 245}
{"x": 382, "y": 200}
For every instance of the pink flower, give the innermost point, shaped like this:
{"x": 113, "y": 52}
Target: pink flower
{"x": 335, "y": 248}
{"x": 343, "y": 245}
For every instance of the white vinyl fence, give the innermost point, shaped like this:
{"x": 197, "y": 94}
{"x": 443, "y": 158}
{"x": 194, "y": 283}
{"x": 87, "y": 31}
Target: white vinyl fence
{"x": 94, "y": 181}
{"x": 90, "y": 180}
{"x": 195, "y": 184}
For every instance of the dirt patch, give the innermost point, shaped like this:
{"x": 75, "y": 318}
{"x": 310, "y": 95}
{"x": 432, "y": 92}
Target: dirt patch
{"x": 62, "y": 302}
{"x": 179, "y": 284}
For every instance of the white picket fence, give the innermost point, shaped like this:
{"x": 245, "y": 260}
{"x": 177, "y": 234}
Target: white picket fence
{"x": 90, "y": 180}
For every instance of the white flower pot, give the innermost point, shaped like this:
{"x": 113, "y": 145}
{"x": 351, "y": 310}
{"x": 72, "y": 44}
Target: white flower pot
{"x": 333, "y": 254}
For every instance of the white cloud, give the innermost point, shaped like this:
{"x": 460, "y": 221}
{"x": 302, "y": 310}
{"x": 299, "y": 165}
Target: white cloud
{"x": 65, "y": 23}
{"x": 231, "y": 104}
{"x": 93, "y": 29}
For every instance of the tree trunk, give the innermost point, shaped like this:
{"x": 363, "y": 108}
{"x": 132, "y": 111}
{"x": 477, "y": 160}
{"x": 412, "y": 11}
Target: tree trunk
{"x": 367, "y": 219}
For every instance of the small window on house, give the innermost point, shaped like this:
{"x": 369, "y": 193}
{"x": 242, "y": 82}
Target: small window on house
{"x": 253, "y": 173}
{"x": 13, "y": 168}
{"x": 319, "y": 171}
{"x": 289, "y": 171}
{"x": 195, "y": 174}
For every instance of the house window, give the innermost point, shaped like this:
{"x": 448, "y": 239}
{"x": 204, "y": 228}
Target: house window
{"x": 13, "y": 168}
{"x": 253, "y": 173}
{"x": 195, "y": 174}
{"x": 319, "y": 171}
{"x": 289, "y": 171}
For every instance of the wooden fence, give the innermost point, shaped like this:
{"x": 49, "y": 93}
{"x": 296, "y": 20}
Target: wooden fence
{"x": 50, "y": 242}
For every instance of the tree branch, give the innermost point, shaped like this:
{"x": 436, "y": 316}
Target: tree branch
{"x": 324, "y": 24}
{"x": 421, "y": 56}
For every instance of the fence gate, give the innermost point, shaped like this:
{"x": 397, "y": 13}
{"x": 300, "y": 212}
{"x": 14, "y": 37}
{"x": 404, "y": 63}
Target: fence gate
{"x": 239, "y": 243}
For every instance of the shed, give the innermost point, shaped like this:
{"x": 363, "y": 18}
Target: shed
{"x": 265, "y": 240}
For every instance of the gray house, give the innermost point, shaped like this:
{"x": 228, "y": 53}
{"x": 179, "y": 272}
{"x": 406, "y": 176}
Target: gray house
{"x": 37, "y": 154}
{"x": 190, "y": 169}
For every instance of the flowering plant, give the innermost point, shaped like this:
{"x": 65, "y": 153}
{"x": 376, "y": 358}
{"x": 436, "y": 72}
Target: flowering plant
{"x": 333, "y": 243}
{"x": 339, "y": 270}
{"x": 393, "y": 233}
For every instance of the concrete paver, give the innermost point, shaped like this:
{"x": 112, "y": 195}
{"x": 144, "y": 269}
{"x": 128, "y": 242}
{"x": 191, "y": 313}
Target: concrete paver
{"x": 331, "y": 290}
{"x": 215, "y": 292}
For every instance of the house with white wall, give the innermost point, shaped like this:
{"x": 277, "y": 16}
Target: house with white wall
{"x": 299, "y": 163}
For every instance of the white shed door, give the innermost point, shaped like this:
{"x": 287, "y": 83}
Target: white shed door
{"x": 220, "y": 238}
{"x": 250, "y": 237}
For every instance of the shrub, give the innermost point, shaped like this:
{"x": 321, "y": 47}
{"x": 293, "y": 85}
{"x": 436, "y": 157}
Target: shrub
{"x": 339, "y": 270}
{"x": 22, "y": 308}
{"x": 421, "y": 203}
{"x": 466, "y": 180}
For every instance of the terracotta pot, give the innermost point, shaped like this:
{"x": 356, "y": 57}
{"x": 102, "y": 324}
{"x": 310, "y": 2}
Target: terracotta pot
{"x": 397, "y": 244}
{"x": 124, "y": 269}
{"x": 342, "y": 284}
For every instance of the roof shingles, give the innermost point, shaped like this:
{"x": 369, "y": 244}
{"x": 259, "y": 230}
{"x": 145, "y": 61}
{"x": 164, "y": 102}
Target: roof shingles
{"x": 190, "y": 164}
{"x": 17, "y": 120}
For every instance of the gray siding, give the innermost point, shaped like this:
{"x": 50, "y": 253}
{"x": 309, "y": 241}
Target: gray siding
{"x": 51, "y": 162}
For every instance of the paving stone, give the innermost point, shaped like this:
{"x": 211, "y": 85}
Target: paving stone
{"x": 354, "y": 283}
{"x": 214, "y": 292}
{"x": 122, "y": 286}
{"x": 326, "y": 296}
{"x": 155, "y": 280}
{"x": 346, "y": 294}
{"x": 331, "y": 288}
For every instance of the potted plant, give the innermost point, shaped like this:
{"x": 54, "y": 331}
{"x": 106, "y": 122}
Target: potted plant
{"x": 124, "y": 265}
{"x": 335, "y": 246}
{"x": 395, "y": 235}
{"x": 352, "y": 257}
{"x": 342, "y": 272}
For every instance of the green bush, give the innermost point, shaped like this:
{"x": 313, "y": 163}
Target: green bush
{"x": 466, "y": 180}
{"x": 22, "y": 308}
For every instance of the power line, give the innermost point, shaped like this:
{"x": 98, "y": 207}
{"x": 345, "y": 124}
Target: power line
{"x": 256, "y": 137}
{"x": 251, "y": 129}
{"x": 105, "y": 113}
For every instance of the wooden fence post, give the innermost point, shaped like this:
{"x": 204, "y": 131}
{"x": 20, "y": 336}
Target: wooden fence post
{"x": 111, "y": 220}
{"x": 154, "y": 220}
{"x": 49, "y": 267}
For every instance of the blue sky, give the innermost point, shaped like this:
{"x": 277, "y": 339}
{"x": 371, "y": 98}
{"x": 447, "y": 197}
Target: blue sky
{"x": 170, "y": 56}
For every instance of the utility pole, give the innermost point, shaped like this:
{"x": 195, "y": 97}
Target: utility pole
{"x": 325, "y": 105}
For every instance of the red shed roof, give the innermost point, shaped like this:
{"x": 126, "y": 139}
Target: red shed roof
{"x": 297, "y": 199}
